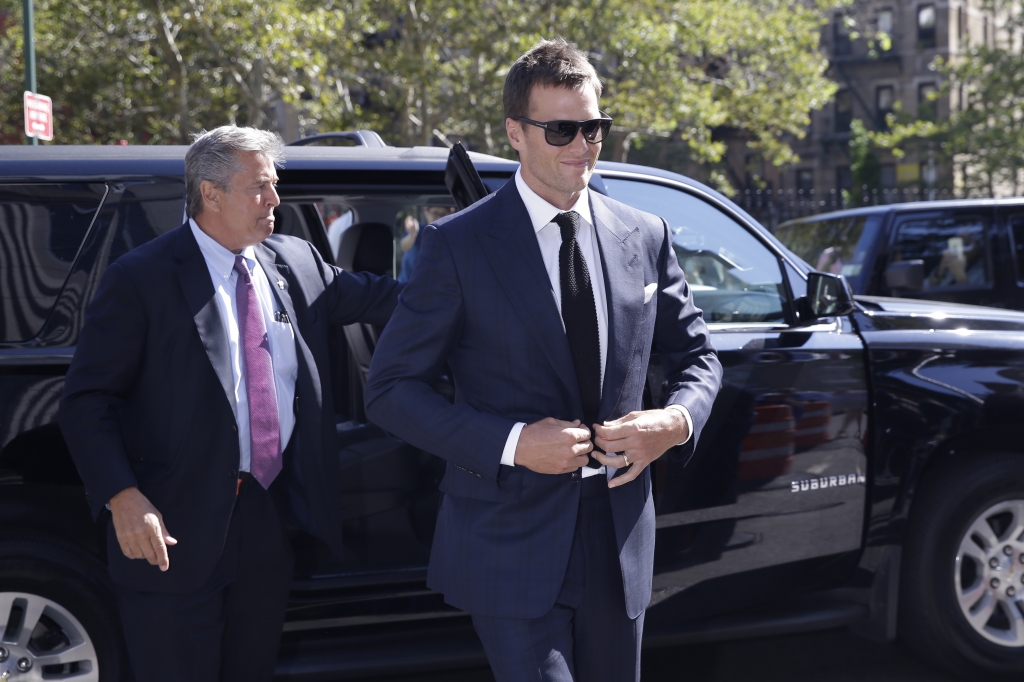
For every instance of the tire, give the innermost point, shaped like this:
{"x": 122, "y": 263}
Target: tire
{"x": 961, "y": 590}
{"x": 60, "y": 614}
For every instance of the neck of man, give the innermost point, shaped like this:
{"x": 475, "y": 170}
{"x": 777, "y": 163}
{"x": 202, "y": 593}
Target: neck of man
{"x": 211, "y": 227}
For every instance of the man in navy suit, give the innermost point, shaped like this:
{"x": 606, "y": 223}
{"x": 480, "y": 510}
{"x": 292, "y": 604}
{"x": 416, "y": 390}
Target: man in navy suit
{"x": 198, "y": 410}
{"x": 545, "y": 299}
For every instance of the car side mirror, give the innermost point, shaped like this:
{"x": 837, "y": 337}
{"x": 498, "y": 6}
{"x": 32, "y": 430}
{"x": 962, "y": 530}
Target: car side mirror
{"x": 906, "y": 275}
{"x": 828, "y": 295}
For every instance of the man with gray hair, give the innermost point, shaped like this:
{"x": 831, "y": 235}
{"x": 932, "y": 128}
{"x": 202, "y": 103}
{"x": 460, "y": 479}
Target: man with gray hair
{"x": 198, "y": 411}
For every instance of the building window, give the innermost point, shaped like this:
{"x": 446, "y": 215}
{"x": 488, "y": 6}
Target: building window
{"x": 885, "y": 21}
{"x": 984, "y": 31}
{"x": 884, "y": 102}
{"x": 844, "y": 178}
{"x": 926, "y": 102}
{"x": 887, "y": 175}
{"x": 804, "y": 181}
{"x": 844, "y": 111}
{"x": 961, "y": 24}
{"x": 926, "y": 26}
{"x": 841, "y": 44}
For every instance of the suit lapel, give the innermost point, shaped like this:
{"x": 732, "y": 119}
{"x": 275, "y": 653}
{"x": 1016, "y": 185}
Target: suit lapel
{"x": 279, "y": 276}
{"x": 514, "y": 254}
{"x": 621, "y": 256}
{"x": 196, "y": 285}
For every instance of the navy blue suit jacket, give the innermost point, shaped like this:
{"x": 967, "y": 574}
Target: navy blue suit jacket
{"x": 480, "y": 300}
{"x": 148, "y": 400}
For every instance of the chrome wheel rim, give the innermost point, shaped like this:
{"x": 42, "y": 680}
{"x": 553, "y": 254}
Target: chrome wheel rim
{"x": 989, "y": 574}
{"x": 42, "y": 640}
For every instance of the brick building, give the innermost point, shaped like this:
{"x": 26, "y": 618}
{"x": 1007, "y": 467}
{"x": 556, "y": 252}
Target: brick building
{"x": 871, "y": 83}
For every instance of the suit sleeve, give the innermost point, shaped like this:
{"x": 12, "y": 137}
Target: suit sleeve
{"x": 101, "y": 376}
{"x": 411, "y": 356}
{"x": 693, "y": 373}
{"x": 357, "y": 296}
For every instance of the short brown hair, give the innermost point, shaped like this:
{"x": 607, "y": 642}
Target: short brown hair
{"x": 555, "y": 63}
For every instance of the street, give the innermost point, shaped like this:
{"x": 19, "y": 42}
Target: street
{"x": 828, "y": 656}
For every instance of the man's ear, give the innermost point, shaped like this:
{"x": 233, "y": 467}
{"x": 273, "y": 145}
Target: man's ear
{"x": 211, "y": 196}
{"x": 515, "y": 134}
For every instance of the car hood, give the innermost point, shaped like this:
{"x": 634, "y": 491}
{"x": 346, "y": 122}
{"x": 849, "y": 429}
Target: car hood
{"x": 880, "y": 313}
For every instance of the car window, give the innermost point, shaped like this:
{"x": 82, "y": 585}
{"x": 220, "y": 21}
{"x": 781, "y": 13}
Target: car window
{"x": 411, "y": 221}
{"x": 1017, "y": 231}
{"x": 142, "y": 210}
{"x": 733, "y": 275}
{"x": 41, "y": 229}
{"x": 841, "y": 246}
{"x": 952, "y": 246}
{"x": 336, "y": 218}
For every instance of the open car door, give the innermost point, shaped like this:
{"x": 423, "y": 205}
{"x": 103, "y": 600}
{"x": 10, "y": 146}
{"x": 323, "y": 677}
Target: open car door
{"x": 462, "y": 179}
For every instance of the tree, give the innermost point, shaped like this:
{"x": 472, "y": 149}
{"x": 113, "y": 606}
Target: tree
{"x": 864, "y": 166}
{"x": 157, "y": 70}
{"x": 680, "y": 69}
{"x": 424, "y": 70}
{"x": 983, "y": 137}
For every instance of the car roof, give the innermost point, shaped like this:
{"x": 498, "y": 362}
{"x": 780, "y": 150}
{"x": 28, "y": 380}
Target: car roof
{"x": 65, "y": 160}
{"x": 909, "y": 206}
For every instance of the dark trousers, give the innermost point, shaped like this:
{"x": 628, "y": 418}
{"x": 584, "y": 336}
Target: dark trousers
{"x": 229, "y": 629}
{"x": 586, "y": 636}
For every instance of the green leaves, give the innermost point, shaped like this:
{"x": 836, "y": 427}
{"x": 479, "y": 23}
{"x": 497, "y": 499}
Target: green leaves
{"x": 679, "y": 72}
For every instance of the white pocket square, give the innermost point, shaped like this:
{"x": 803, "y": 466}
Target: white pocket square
{"x": 649, "y": 291}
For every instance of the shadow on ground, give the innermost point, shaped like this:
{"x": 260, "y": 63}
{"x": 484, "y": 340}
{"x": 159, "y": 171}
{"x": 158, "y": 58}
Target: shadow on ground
{"x": 829, "y": 656}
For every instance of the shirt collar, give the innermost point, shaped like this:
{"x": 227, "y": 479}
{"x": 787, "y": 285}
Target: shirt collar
{"x": 219, "y": 258}
{"x": 541, "y": 212}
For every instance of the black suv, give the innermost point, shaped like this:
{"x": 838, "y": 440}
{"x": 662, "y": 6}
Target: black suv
{"x": 966, "y": 251}
{"x": 862, "y": 465}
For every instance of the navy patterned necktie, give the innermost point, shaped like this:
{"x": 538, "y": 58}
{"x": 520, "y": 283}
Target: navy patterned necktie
{"x": 579, "y": 313}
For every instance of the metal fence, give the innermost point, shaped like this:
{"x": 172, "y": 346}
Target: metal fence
{"x": 774, "y": 207}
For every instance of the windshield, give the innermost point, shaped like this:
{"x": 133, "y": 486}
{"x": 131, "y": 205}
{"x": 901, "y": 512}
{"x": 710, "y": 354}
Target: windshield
{"x": 841, "y": 246}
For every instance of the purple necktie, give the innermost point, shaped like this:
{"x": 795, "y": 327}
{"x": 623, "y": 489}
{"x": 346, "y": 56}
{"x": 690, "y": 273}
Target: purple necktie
{"x": 264, "y": 423}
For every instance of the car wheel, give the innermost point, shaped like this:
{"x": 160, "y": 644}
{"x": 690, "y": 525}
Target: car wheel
{"x": 962, "y": 581}
{"x": 59, "y": 616}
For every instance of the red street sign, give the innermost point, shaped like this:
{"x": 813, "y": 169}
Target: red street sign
{"x": 38, "y": 116}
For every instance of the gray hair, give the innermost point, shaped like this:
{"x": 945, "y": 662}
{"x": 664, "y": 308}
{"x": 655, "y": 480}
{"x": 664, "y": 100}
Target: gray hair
{"x": 213, "y": 156}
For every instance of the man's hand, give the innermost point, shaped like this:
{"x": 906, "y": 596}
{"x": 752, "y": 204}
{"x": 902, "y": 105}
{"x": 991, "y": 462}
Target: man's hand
{"x": 641, "y": 438}
{"x": 140, "y": 528}
{"x": 551, "y": 446}
{"x": 412, "y": 228}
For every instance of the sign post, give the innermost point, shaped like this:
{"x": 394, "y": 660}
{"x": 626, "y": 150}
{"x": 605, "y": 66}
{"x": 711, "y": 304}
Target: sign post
{"x": 38, "y": 116}
{"x": 30, "y": 67}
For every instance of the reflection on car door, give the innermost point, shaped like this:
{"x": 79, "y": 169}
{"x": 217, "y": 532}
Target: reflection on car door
{"x": 778, "y": 477}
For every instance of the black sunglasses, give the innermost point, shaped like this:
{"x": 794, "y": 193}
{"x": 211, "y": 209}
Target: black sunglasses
{"x": 561, "y": 133}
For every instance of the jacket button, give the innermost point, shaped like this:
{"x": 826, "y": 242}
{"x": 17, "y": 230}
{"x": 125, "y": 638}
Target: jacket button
{"x": 233, "y": 473}
{"x": 575, "y": 476}
{"x": 234, "y": 427}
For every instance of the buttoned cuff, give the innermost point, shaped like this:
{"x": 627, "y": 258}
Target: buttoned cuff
{"x": 508, "y": 455}
{"x": 687, "y": 417}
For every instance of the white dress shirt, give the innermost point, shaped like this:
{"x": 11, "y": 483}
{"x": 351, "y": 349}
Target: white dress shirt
{"x": 549, "y": 237}
{"x": 221, "y": 263}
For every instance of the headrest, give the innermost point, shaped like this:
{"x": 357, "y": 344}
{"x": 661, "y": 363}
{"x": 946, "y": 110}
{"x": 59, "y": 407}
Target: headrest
{"x": 367, "y": 247}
